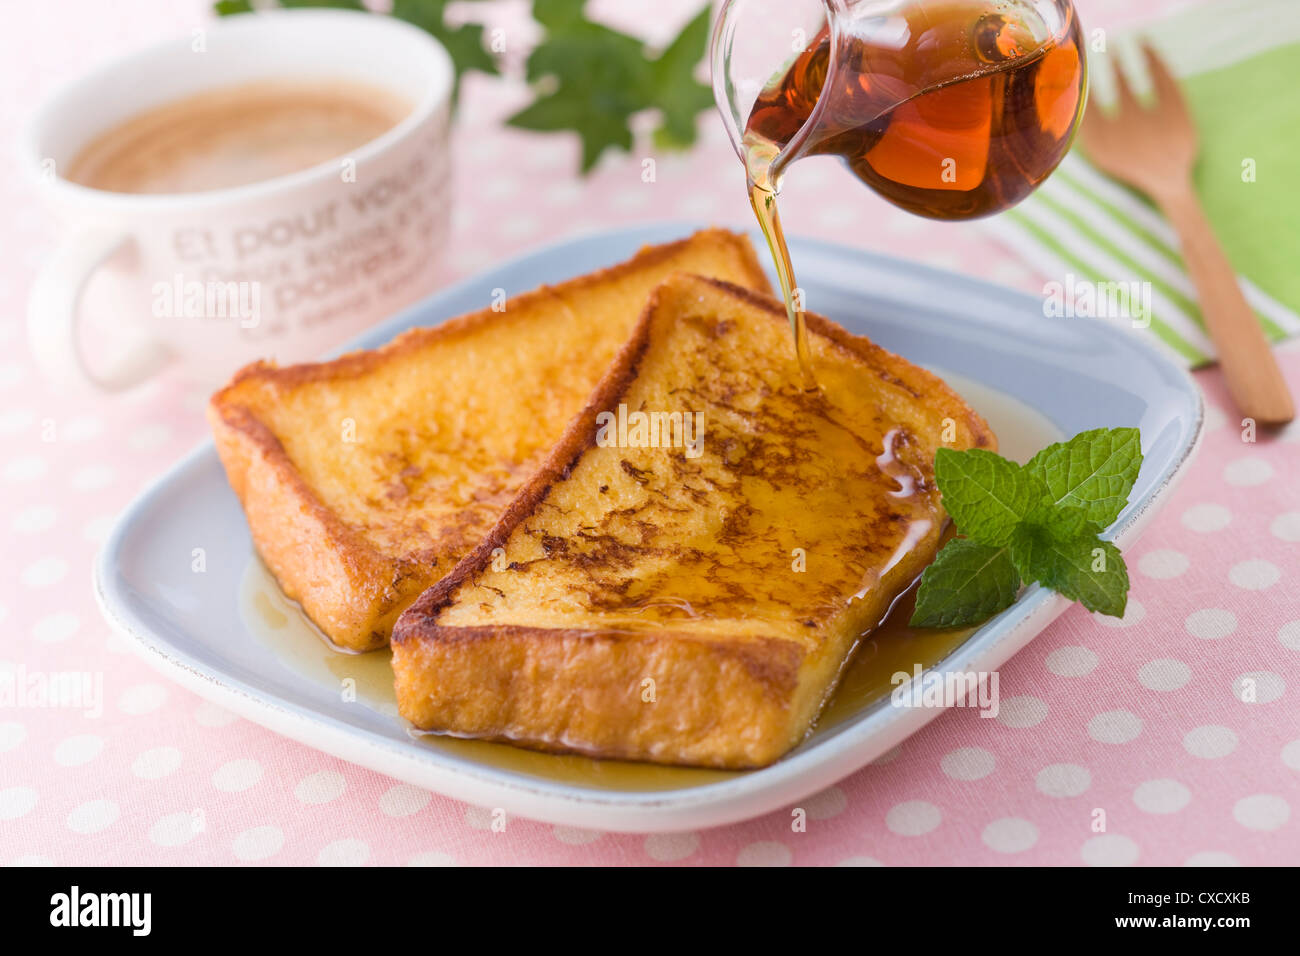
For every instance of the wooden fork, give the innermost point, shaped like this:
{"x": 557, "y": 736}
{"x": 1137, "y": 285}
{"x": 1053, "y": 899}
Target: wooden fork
{"x": 1154, "y": 150}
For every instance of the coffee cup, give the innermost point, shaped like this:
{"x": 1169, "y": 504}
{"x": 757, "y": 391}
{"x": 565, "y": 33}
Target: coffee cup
{"x": 284, "y": 267}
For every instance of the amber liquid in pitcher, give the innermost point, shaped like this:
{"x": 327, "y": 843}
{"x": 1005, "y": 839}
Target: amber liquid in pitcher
{"x": 960, "y": 115}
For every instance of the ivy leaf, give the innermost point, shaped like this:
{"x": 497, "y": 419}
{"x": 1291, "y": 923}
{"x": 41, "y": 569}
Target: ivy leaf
{"x": 589, "y": 77}
{"x": 967, "y": 583}
{"x": 677, "y": 93}
{"x": 464, "y": 42}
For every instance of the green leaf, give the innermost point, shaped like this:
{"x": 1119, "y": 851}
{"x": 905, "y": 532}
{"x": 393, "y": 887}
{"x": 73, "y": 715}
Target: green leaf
{"x": 589, "y": 78}
{"x": 1094, "y": 470}
{"x": 1084, "y": 568}
{"x": 464, "y": 43}
{"x": 967, "y": 583}
{"x": 678, "y": 94}
{"x": 225, "y": 8}
{"x": 987, "y": 495}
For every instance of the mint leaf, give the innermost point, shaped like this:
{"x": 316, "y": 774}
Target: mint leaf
{"x": 1094, "y": 470}
{"x": 987, "y": 495}
{"x": 967, "y": 583}
{"x": 1084, "y": 568}
{"x": 1062, "y": 522}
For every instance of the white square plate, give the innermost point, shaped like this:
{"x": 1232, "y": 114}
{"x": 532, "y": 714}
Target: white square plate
{"x": 230, "y": 636}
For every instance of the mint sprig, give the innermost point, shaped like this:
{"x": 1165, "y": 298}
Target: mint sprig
{"x": 1035, "y": 523}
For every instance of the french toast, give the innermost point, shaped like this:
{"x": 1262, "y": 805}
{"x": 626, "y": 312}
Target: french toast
{"x": 688, "y": 594}
{"x": 365, "y": 479}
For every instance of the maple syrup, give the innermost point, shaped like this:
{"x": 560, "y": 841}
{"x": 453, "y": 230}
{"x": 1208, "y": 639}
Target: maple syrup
{"x": 952, "y": 110}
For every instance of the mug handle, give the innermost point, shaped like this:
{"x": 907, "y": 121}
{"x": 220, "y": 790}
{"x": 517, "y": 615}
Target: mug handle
{"x": 52, "y": 316}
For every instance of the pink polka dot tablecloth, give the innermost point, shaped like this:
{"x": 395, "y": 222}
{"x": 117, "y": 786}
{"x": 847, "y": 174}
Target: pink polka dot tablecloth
{"x": 1181, "y": 722}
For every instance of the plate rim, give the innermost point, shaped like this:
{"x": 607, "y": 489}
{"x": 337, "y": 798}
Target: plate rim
{"x": 642, "y": 811}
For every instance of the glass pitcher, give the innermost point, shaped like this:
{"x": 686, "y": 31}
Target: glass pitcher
{"x": 951, "y": 109}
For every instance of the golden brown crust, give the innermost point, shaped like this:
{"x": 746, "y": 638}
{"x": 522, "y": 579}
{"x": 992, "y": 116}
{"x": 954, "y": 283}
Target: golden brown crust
{"x": 719, "y": 703}
{"x": 350, "y": 587}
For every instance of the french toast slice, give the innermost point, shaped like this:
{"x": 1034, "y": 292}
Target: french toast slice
{"x": 365, "y": 479}
{"x": 688, "y": 594}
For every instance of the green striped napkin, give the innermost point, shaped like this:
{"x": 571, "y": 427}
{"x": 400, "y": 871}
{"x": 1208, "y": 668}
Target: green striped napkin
{"x": 1239, "y": 63}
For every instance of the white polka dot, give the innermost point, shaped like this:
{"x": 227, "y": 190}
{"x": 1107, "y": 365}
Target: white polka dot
{"x": 764, "y": 853}
{"x": 1115, "y": 727}
{"x": 1206, "y": 517}
{"x": 28, "y": 468}
{"x": 210, "y": 715}
{"x": 575, "y": 836}
{"x": 1245, "y": 472}
{"x": 1163, "y": 564}
{"x": 1214, "y": 418}
{"x": 1010, "y": 835}
{"x": 320, "y": 787}
{"x": 1211, "y": 623}
{"x": 16, "y": 802}
{"x": 1254, "y": 575}
{"x": 97, "y": 529}
{"x": 237, "y": 775}
{"x": 26, "y": 861}
{"x": 431, "y": 859}
{"x": 1289, "y": 635}
{"x": 1110, "y": 849}
{"x": 1286, "y": 527}
{"x": 1291, "y": 754}
{"x": 150, "y": 436}
{"x": 257, "y": 843}
{"x": 1263, "y": 811}
{"x": 480, "y": 818}
{"x": 1071, "y": 661}
{"x": 1209, "y": 742}
{"x": 1161, "y": 796}
{"x": 12, "y": 734}
{"x": 860, "y": 861}
{"x": 82, "y": 429}
{"x": 142, "y": 698}
{"x": 1134, "y": 612}
{"x": 78, "y": 750}
{"x": 55, "y": 628}
{"x": 1258, "y": 687}
{"x": 92, "y": 478}
{"x": 156, "y": 763}
{"x": 1164, "y": 674}
{"x": 175, "y": 829}
{"x": 829, "y": 803}
{"x": 913, "y": 818}
{"x": 968, "y": 763}
{"x": 1063, "y": 780}
{"x": 1212, "y": 858}
{"x": 404, "y": 800}
{"x": 44, "y": 573}
{"x": 1022, "y": 711}
{"x": 668, "y": 847}
{"x": 344, "y": 853}
{"x": 35, "y": 519}
{"x": 14, "y": 420}
{"x": 92, "y": 817}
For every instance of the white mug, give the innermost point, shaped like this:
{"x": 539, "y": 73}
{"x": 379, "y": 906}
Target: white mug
{"x": 284, "y": 268}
